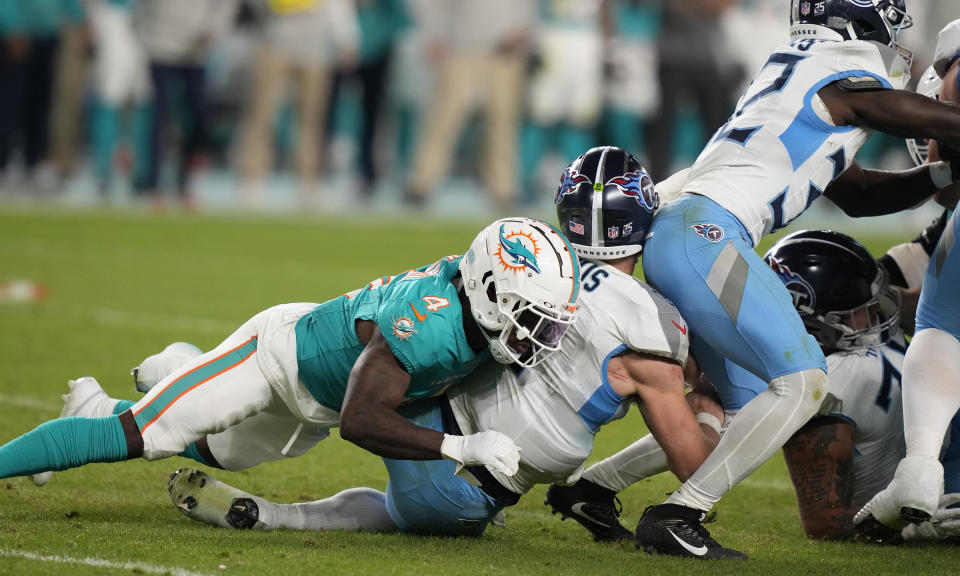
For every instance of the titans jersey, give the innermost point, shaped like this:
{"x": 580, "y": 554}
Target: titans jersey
{"x": 865, "y": 390}
{"x": 420, "y": 316}
{"x": 780, "y": 150}
{"x": 553, "y": 410}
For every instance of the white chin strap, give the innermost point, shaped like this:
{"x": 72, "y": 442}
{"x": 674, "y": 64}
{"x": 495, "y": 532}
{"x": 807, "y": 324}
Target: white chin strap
{"x": 500, "y": 352}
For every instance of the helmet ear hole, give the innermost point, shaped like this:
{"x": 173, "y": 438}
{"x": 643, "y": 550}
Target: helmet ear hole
{"x": 492, "y": 292}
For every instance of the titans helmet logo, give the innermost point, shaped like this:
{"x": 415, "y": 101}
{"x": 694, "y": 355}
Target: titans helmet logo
{"x": 569, "y": 182}
{"x": 638, "y": 186}
{"x": 800, "y": 290}
{"x": 518, "y": 251}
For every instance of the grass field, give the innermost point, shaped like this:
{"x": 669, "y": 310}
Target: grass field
{"x": 122, "y": 286}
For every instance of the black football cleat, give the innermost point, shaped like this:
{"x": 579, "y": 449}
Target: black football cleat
{"x": 596, "y": 508}
{"x": 677, "y": 530}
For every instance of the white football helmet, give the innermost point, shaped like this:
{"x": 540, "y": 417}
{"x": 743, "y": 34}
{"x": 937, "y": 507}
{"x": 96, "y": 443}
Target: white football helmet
{"x": 523, "y": 280}
{"x": 929, "y": 86}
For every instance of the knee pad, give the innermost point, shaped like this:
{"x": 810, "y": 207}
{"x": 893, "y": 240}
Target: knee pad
{"x": 807, "y": 388}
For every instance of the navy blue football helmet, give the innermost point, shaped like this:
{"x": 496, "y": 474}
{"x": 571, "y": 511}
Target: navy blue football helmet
{"x": 875, "y": 20}
{"x": 841, "y": 292}
{"x": 605, "y": 203}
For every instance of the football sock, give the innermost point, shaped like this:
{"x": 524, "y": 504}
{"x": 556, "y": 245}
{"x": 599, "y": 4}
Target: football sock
{"x": 64, "y": 443}
{"x": 356, "y": 509}
{"x": 759, "y": 430}
{"x": 931, "y": 391}
{"x": 122, "y": 406}
{"x": 642, "y": 459}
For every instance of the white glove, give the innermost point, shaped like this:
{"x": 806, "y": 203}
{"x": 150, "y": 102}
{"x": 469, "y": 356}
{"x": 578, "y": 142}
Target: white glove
{"x": 488, "y": 448}
{"x": 944, "y": 523}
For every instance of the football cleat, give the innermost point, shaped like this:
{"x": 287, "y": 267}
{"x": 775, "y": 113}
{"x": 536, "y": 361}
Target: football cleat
{"x": 203, "y": 498}
{"x": 86, "y": 398}
{"x": 677, "y": 530}
{"x": 155, "y": 368}
{"x": 910, "y": 498}
{"x": 594, "y": 507}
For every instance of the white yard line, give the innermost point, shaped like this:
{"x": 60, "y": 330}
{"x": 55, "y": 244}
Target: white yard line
{"x": 100, "y": 563}
{"x": 31, "y": 403}
{"x": 153, "y": 321}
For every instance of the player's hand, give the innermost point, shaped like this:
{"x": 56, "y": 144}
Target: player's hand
{"x": 945, "y": 522}
{"x": 488, "y": 448}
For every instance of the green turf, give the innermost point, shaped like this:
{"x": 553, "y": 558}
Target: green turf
{"x": 122, "y": 286}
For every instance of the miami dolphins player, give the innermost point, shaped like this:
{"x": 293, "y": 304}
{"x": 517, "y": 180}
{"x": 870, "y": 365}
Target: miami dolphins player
{"x": 277, "y": 385}
{"x": 628, "y": 343}
{"x": 931, "y": 394}
{"x": 791, "y": 139}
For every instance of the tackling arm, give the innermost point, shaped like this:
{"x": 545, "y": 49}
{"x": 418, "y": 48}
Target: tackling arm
{"x": 820, "y": 460}
{"x": 369, "y": 415}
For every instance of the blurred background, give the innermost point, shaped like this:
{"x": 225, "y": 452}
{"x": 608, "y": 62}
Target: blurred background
{"x": 436, "y": 107}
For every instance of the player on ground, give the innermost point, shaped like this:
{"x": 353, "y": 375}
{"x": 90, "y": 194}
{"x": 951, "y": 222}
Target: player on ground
{"x": 277, "y": 385}
{"x": 627, "y": 343}
{"x": 791, "y": 139}
{"x": 931, "y": 395}
{"x": 849, "y": 451}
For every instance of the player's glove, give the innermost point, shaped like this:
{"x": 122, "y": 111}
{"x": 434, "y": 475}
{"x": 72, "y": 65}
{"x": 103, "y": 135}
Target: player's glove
{"x": 488, "y": 448}
{"x": 945, "y": 522}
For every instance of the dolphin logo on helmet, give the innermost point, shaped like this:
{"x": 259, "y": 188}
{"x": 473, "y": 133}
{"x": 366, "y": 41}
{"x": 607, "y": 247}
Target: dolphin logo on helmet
{"x": 521, "y": 255}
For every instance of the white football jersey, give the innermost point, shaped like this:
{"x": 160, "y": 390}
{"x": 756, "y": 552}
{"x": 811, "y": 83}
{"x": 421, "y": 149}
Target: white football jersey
{"x": 553, "y": 410}
{"x": 780, "y": 149}
{"x": 864, "y": 389}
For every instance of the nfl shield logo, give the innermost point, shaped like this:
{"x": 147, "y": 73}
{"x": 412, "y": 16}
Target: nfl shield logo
{"x": 613, "y": 232}
{"x": 805, "y": 9}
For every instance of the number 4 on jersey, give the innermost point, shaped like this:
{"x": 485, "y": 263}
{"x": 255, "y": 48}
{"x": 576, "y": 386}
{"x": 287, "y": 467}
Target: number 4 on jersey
{"x": 435, "y": 303}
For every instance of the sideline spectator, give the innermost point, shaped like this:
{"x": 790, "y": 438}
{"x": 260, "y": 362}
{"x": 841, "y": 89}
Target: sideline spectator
{"x": 177, "y": 36}
{"x": 690, "y": 70}
{"x": 476, "y": 47}
{"x": 299, "y": 40}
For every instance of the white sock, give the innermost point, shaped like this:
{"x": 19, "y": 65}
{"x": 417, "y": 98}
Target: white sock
{"x": 758, "y": 431}
{"x": 931, "y": 391}
{"x": 356, "y": 509}
{"x": 642, "y": 459}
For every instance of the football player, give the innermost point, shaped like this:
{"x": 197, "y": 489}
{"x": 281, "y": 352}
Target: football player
{"x": 791, "y": 139}
{"x": 628, "y": 343}
{"x": 849, "y": 451}
{"x": 277, "y": 385}
{"x": 931, "y": 394}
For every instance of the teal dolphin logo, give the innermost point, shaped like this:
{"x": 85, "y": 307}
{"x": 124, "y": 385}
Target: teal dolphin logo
{"x": 522, "y": 256}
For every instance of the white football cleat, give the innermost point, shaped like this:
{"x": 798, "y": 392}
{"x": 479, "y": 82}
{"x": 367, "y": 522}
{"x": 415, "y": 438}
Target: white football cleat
{"x": 203, "y": 498}
{"x": 160, "y": 365}
{"x": 910, "y": 498}
{"x": 86, "y": 398}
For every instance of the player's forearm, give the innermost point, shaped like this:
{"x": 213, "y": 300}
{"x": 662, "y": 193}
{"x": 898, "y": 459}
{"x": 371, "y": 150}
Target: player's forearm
{"x": 879, "y": 192}
{"x": 385, "y": 433}
{"x": 820, "y": 462}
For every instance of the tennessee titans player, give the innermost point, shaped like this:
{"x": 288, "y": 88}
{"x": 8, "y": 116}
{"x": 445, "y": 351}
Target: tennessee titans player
{"x": 791, "y": 139}
{"x": 931, "y": 393}
{"x": 849, "y": 451}
{"x": 277, "y": 385}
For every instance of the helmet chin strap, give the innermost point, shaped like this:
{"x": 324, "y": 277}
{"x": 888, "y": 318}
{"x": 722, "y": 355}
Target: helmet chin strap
{"x": 500, "y": 352}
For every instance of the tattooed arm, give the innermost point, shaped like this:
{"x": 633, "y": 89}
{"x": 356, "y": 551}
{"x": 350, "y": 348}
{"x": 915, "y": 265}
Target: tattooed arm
{"x": 820, "y": 460}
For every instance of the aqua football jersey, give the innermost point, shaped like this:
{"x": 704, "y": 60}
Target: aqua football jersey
{"x": 419, "y": 314}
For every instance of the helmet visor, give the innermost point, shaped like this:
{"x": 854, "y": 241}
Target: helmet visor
{"x": 535, "y": 332}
